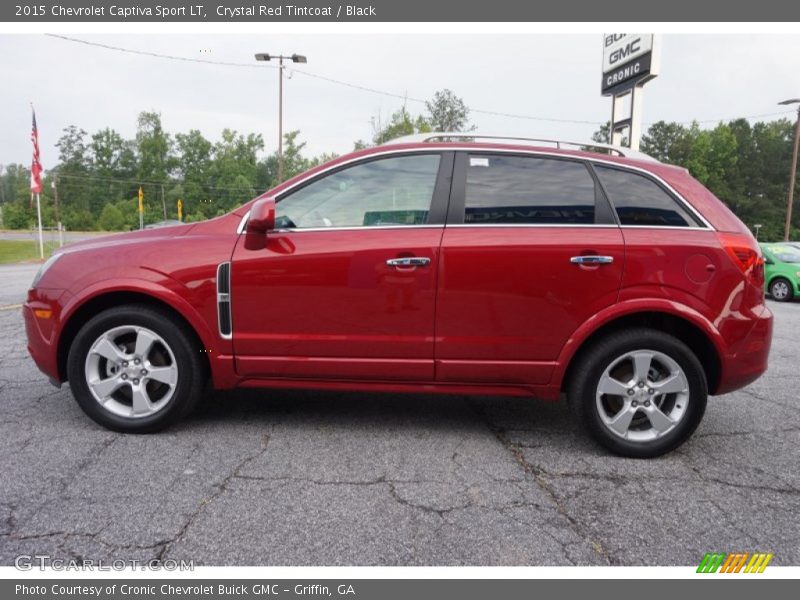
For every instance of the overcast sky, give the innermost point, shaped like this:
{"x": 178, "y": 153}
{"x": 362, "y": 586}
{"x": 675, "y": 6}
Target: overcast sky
{"x": 703, "y": 77}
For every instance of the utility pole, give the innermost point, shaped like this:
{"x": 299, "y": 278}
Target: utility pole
{"x": 163, "y": 202}
{"x": 295, "y": 58}
{"x": 787, "y": 229}
{"x": 57, "y": 211}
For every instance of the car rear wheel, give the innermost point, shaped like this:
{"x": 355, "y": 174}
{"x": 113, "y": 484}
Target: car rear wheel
{"x": 780, "y": 289}
{"x": 135, "y": 369}
{"x": 640, "y": 393}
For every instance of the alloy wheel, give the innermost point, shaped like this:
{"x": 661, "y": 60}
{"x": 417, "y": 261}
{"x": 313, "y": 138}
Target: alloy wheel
{"x": 131, "y": 371}
{"x": 642, "y": 395}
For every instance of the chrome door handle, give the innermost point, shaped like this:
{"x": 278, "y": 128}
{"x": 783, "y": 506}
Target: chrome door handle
{"x": 591, "y": 259}
{"x": 409, "y": 261}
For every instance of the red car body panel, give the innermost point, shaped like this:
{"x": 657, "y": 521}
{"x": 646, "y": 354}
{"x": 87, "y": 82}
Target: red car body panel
{"x": 334, "y": 308}
{"x": 499, "y": 310}
{"x": 507, "y": 309}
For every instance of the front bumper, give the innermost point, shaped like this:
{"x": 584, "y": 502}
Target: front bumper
{"x": 41, "y": 314}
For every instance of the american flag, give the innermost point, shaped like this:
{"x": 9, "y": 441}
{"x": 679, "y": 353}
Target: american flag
{"x": 36, "y": 166}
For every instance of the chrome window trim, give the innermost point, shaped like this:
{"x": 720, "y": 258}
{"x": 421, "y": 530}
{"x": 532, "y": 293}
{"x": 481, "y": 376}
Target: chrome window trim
{"x": 478, "y": 150}
{"x": 675, "y": 227}
{"x": 538, "y": 225}
{"x": 243, "y": 223}
{"x": 359, "y": 228}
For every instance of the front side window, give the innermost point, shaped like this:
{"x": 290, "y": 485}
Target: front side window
{"x": 641, "y": 201}
{"x": 521, "y": 189}
{"x": 387, "y": 191}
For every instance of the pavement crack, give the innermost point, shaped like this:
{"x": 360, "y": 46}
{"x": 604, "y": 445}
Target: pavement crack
{"x": 221, "y": 488}
{"x": 540, "y": 480}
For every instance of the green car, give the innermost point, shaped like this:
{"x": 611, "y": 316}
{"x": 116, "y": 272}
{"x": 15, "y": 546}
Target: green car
{"x": 782, "y": 276}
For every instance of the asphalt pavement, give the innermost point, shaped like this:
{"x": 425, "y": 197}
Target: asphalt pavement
{"x": 310, "y": 478}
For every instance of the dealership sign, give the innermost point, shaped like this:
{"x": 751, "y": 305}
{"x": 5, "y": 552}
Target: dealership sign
{"x": 628, "y": 60}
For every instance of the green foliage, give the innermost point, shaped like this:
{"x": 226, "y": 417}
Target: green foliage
{"x": 111, "y": 218}
{"x": 17, "y": 216}
{"x": 447, "y": 112}
{"x": 400, "y": 123}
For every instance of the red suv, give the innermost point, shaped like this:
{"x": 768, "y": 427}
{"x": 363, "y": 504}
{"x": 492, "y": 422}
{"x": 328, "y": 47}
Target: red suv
{"x": 436, "y": 264}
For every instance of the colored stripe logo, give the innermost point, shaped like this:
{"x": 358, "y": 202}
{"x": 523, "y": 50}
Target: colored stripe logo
{"x": 737, "y": 562}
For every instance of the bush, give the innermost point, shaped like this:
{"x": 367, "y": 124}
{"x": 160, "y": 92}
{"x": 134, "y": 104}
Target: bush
{"x": 111, "y": 219}
{"x": 17, "y": 216}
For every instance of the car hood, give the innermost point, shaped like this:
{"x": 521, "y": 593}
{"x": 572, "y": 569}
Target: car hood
{"x": 130, "y": 237}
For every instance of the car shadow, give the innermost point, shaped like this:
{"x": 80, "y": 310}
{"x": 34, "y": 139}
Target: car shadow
{"x": 381, "y": 410}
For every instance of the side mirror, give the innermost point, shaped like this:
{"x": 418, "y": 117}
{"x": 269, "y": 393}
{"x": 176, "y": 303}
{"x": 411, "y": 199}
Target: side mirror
{"x": 262, "y": 216}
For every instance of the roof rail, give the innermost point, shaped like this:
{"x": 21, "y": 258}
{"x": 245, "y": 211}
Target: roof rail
{"x": 438, "y": 136}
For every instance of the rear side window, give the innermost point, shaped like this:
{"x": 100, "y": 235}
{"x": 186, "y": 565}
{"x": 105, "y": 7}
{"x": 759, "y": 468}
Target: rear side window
{"x": 641, "y": 201}
{"x": 517, "y": 189}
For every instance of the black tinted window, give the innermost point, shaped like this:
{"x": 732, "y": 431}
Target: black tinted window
{"x": 516, "y": 189}
{"x": 641, "y": 201}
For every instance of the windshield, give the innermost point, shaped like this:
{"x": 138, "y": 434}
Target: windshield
{"x": 786, "y": 254}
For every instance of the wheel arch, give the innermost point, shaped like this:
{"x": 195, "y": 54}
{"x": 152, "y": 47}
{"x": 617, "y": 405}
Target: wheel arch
{"x": 91, "y": 306}
{"x": 783, "y": 276}
{"x": 689, "y": 331}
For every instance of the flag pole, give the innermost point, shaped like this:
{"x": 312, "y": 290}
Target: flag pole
{"x": 39, "y": 215}
{"x": 36, "y": 179}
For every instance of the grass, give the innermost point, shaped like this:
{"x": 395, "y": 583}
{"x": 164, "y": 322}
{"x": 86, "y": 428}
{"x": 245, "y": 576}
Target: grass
{"x": 13, "y": 251}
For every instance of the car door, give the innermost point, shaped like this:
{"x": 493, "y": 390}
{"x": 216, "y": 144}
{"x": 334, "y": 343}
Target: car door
{"x": 345, "y": 287}
{"x": 531, "y": 250}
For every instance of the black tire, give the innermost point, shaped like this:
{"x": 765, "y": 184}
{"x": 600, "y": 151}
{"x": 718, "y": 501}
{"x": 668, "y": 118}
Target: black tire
{"x": 591, "y": 366}
{"x": 179, "y": 339}
{"x": 781, "y": 296}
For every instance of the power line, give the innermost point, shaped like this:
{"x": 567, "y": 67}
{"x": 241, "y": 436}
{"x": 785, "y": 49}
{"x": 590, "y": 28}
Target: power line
{"x": 311, "y": 75}
{"x": 157, "y": 55}
{"x": 371, "y": 90}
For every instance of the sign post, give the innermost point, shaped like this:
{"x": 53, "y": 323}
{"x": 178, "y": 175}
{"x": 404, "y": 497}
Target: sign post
{"x": 141, "y": 208}
{"x": 180, "y": 209}
{"x": 629, "y": 61}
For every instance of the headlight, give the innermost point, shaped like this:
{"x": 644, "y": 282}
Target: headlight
{"x": 43, "y": 269}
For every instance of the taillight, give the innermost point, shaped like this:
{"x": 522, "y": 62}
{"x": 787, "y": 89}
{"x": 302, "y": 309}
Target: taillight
{"x": 745, "y": 254}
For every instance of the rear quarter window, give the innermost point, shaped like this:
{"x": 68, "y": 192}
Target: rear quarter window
{"x": 641, "y": 201}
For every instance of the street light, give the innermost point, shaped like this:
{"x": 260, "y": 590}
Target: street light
{"x": 295, "y": 58}
{"x": 792, "y": 171}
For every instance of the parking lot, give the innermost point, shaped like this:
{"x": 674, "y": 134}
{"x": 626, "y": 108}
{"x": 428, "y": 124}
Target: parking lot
{"x": 309, "y": 478}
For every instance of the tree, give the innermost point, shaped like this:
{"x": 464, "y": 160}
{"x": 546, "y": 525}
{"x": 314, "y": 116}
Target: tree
{"x": 111, "y": 219}
{"x": 153, "y": 146}
{"x": 603, "y": 135}
{"x": 447, "y": 112}
{"x": 194, "y": 154}
{"x": 667, "y": 142}
{"x": 401, "y": 123}
{"x": 294, "y": 162}
{"x": 235, "y": 163}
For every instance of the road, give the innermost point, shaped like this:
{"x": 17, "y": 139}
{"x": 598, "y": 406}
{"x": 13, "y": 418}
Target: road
{"x": 308, "y": 478}
{"x": 49, "y": 236}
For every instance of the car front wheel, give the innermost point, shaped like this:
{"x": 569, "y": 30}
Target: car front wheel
{"x": 135, "y": 369}
{"x": 640, "y": 393}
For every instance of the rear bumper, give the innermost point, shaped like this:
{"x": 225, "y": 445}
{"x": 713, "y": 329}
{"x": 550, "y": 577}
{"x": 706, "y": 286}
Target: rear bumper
{"x": 750, "y": 361}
